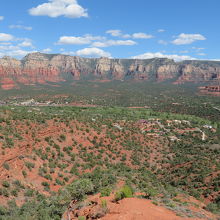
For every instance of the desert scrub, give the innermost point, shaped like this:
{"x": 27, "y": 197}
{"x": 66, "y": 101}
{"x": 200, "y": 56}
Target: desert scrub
{"x": 6, "y": 184}
{"x": 6, "y": 166}
{"x": 105, "y": 191}
{"x": 124, "y": 192}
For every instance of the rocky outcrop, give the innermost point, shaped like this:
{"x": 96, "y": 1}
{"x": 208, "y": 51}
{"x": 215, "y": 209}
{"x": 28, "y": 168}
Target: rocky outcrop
{"x": 210, "y": 90}
{"x": 200, "y": 71}
{"x": 43, "y": 68}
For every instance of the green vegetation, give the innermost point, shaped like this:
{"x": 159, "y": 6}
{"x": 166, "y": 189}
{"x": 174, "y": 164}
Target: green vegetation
{"x": 162, "y": 97}
{"x": 157, "y": 150}
{"x": 124, "y": 192}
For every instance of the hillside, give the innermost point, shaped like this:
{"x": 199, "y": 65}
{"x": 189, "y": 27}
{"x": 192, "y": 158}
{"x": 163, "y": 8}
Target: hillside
{"x": 38, "y": 68}
{"x": 52, "y": 155}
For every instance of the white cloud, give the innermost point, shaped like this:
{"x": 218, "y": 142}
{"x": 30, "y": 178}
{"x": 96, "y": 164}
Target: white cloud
{"x": 114, "y": 33}
{"x": 183, "y": 39}
{"x": 160, "y": 30}
{"x": 5, "y": 43}
{"x": 56, "y": 8}
{"x": 6, "y": 48}
{"x": 163, "y": 42}
{"x": 161, "y": 55}
{"x": 16, "y": 52}
{"x": 12, "y": 49}
{"x": 92, "y": 52}
{"x": 86, "y": 39}
{"x": 95, "y": 41}
{"x": 6, "y": 37}
{"x": 26, "y": 43}
{"x": 27, "y": 28}
{"x": 46, "y": 50}
{"x": 109, "y": 43}
{"x": 198, "y": 48}
{"x": 1, "y": 18}
{"x": 19, "y": 53}
{"x": 118, "y": 33}
{"x": 141, "y": 36}
{"x": 126, "y": 36}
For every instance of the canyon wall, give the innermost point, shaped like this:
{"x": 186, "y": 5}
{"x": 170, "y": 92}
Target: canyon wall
{"x": 43, "y": 68}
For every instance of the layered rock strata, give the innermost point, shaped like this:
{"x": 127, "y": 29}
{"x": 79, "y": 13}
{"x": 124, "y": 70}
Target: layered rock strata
{"x": 43, "y": 68}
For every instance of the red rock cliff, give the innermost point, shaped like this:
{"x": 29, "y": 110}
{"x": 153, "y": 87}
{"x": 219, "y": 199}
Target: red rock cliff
{"x": 43, "y": 68}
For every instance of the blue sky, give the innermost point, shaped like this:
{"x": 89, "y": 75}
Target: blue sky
{"x": 175, "y": 29}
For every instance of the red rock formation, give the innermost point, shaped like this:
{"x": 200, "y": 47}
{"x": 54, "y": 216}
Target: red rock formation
{"x": 43, "y": 68}
{"x": 7, "y": 83}
{"x": 213, "y": 88}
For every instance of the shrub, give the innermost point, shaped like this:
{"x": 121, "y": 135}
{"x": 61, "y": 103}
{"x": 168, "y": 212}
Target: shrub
{"x": 59, "y": 182}
{"x": 29, "y": 165}
{"x": 6, "y": 166}
{"x": 124, "y": 192}
{"x": 79, "y": 188}
{"x": 212, "y": 207}
{"x": 45, "y": 184}
{"x": 6, "y": 184}
{"x": 3, "y": 211}
{"x": 29, "y": 193}
{"x": 14, "y": 193}
{"x": 104, "y": 204}
{"x": 24, "y": 173}
{"x": 105, "y": 192}
{"x": 150, "y": 192}
{"x": 62, "y": 137}
{"x": 4, "y": 192}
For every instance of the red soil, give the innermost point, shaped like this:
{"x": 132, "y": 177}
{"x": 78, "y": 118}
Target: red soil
{"x": 136, "y": 209}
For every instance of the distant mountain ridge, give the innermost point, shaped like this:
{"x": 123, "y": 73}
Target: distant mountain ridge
{"x": 41, "y": 68}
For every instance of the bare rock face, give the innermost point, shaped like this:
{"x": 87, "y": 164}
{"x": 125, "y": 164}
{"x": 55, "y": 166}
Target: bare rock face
{"x": 199, "y": 73}
{"x": 44, "y": 68}
{"x": 103, "y": 66}
{"x": 168, "y": 71}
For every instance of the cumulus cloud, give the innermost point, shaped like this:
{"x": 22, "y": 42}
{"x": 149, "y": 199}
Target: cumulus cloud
{"x": 56, "y": 8}
{"x": 92, "y": 52}
{"x": 5, "y": 48}
{"x": 46, "y": 50}
{"x": 109, "y": 43}
{"x": 18, "y": 53}
{"x": 14, "y": 51}
{"x": 86, "y": 39}
{"x": 27, "y": 28}
{"x": 141, "y": 36}
{"x": 1, "y": 18}
{"x": 198, "y": 48}
{"x": 5, "y": 43}
{"x": 161, "y": 55}
{"x": 183, "y": 39}
{"x": 15, "y": 47}
{"x": 114, "y": 33}
{"x": 6, "y": 37}
{"x": 118, "y": 33}
{"x": 26, "y": 43}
